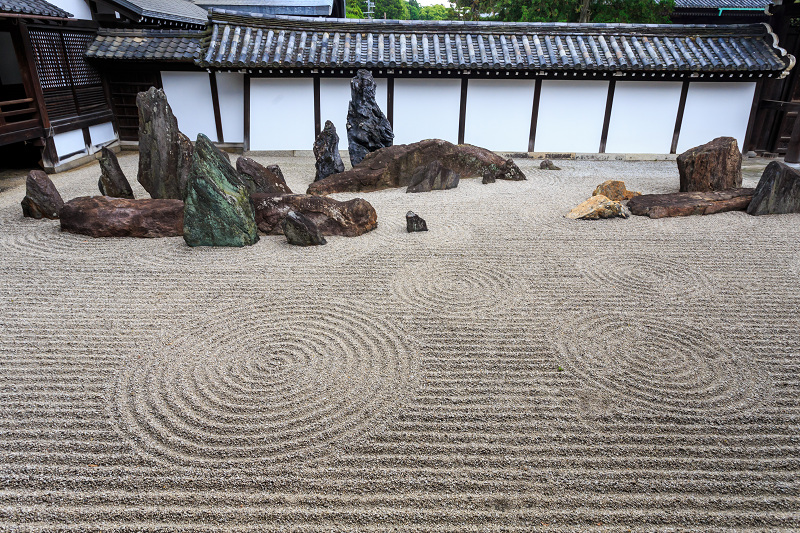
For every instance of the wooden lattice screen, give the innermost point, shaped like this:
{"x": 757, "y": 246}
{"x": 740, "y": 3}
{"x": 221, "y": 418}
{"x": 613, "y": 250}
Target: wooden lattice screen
{"x": 71, "y": 87}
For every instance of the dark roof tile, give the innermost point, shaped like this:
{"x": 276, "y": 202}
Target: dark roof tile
{"x": 162, "y": 45}
{"x": 32, "y": 7}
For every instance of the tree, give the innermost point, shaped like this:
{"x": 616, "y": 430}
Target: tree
{"x": 414, "y": 9}
{"x": 434, "y": 12}
{"x": 355, "y": 9}
{"x": 633, "y": 11}
{"x": 391, "y": 9}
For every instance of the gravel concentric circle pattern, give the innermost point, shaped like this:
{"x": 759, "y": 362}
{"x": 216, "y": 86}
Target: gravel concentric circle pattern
{"x": 508, "y": 370}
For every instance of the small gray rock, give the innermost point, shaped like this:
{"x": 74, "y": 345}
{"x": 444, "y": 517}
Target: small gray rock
{"x": 415, "y": 223}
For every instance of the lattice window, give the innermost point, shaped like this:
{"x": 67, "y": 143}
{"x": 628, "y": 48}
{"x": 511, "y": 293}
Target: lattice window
{"x": 51, "y": 62}
{"x": 76, "y": 45}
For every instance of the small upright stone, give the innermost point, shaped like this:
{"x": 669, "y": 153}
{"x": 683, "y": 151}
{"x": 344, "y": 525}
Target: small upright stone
{"x": 218, "y": 209}
{"x": 615, "y": 190}
{"x": 598, "y": 207}
{"x": 301, "y": 231}
{"x": 777, "y": 192}
{"x": 112, "y": 180}
{"x": 261, "y": 179}
{"x": 547, "y": 164}
{"x": 163, "y": 157}
{"x": 368, "y": 129}
{"x": 714, "y": 166}
{"x": 414, "y": 222}
{"x": 42, "y": 199}
{"x": 326, "y": 150}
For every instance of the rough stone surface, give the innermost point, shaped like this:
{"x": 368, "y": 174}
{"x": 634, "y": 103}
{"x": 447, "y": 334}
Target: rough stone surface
{"x": 547, "y": 164}
{"x": 326, "y": 150}
{"x": 332, "y": 217}
{"x": 218, "y": 210}
{"x": 301, "y": 231}
{"x": 42, "y": 199}
{"x": 185, "y": 163}
{"x": 414, "y": 222}
{"x": 104, "y": 216}
{"x": 681, "y": 204}
{"x": 598, "y": 207}
{"x": 394, "y": 166}
{"x": 432, "y": 177}
{"x": 714, "y": 166}
{"x": 368, "y": 129}
{"x": 614, "y": 190}
{"x": 164, "y": 154}
{"x": 112, "y": 180}
{"x": 261, "y": 179}
{"x": 777, "y": 192}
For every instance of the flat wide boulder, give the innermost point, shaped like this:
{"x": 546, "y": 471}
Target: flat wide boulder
{"x": 42, "y": 199}
{"x": 396, "y": 166}
{"x": 777, "y": 192}
{"x": 681, "y": 204}
{"x": 597, "y": 207}
{"x": 259, "y": 178}
{"x": 112, "y": 180}
{"x": 714, "y": 166}
{"x": 218, "y": 209}
{"x": 104, "y": 216}
{"x": 349, "y": 219}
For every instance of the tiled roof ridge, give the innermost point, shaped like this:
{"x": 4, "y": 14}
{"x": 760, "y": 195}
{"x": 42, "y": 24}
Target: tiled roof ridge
{"x": 150, "y": 32}
{"x": 33, "y": 8}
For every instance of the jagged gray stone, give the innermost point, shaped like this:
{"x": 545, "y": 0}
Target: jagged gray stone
{"x": 112, "y": 180}
{"x": 368, "y": 129}
{"x": 326, "y": 150}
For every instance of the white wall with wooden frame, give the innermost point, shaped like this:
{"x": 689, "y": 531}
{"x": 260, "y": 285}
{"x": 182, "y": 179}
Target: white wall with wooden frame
{"x": 715, "y": 109}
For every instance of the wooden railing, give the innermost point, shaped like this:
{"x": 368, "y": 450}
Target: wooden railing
{"x": 19, "y": 120}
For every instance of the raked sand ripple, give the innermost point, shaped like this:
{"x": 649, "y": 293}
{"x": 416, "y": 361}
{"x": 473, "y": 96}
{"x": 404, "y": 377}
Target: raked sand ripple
{"x": 508, "y": 370}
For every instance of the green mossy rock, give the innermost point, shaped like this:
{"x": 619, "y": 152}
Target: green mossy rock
{"x": 218, "y": 209}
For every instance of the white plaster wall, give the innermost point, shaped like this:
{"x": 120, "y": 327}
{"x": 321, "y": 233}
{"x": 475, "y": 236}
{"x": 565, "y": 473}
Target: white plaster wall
{"x": 69, "y": 143}
{"x": 334, "y": 99}
{"x": 189, "y": 96}
{"x": 426, "y": 109}
{"x": 499, "y": 114}
{"x": 102, "y": 133}
{"x": 571, "y": 116}
{"x": 230, "y": 87}
{"x": 281, "y": 114}
{"x": 714, "y": 110}
{"x": 643, "y": 117}
{"x": 79, "y": 8}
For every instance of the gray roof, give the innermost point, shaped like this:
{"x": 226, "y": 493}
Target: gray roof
{"x": 321, "y": 8}
{"x": 722, "y": 4}
{"x": 145, "y": 44}
{"x": 257, "y": 42}
{"x": 32, "y": 7}
{"x": 173, "y": 10}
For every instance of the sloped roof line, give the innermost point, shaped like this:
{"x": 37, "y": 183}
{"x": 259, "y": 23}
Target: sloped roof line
{"x": 170, "y": 10}
{"x": 33, "y": 8}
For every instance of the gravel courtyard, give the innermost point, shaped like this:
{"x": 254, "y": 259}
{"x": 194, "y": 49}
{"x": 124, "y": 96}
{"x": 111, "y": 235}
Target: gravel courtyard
{"x": 510, "y": 369}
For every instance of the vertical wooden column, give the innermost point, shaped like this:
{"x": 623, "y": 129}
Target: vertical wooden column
{"x": 612, "y": 84}
{"x": 390, "y": 100}
{"x": 749, "y": 142}
{"x": 462, "y": 112}
{"x": 793, "y": 149}
{"x": 537, "y": 93}
{"x": 317, "y": 106}
{"x": 212, "y": 77}
{"x": 679, "y": 118}
{"x": 247, "y": 112}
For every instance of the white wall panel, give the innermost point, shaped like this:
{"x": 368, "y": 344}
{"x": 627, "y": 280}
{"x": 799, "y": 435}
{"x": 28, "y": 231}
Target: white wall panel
{"x": 79, "y": 8}
{"x": 334, "y": 95}
{"x": 102, "y": 133}
{"x": 230, "y": 87}
{"x": 499, "y": 114}
{"x": 643, "y": 117}
{"x": 189, "y": 96}
{"x": 715, "y": 110}
{"x": 571, "y": 116}
{"x": 69, "y": 143}
{"x": 426, "y": 109}
{"x": 281, "y": 114}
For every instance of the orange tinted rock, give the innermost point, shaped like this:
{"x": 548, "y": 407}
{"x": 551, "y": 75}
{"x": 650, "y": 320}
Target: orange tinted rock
{"x": 615, "y": 190}
{"x": 598, "y": 207}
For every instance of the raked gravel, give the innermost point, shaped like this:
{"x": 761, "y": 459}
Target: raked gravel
{"x": 509, "y": 369}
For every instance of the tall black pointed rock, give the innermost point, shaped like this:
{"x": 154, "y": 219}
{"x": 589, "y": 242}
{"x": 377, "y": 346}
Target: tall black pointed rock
{"x": 367, "y": 127}
{"x": 326, "y": 150}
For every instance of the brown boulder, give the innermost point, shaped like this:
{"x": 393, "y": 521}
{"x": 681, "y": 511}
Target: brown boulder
{"x": 349, "y": 219}
{"x": 104, "y": 216}
{"x": 433, "y": 177}
{"x": 714, "y": 166}
{"x": 261, "y": 179}
{"x": 615, "y": 190}
{"x": 681, "y": 204}
{"x": 777, "y": 192}
{"x": 42, "y": 199}
{"x": 394, "y": 166}
{"x": 598, "y": 207}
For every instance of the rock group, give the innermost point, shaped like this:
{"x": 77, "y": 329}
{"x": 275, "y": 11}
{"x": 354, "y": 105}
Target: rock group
{"x": 42, "y": 199}
{"x": 714, "y": 166}
{"x": 368, "y": 129}
{"x": 326, "y": 150}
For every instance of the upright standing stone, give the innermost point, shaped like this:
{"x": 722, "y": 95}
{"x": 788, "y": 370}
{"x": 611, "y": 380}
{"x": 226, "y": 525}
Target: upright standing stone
{"x": 112, "y": 180}
{"x": 414, "y": 223}
{"x": 714, "y": 166}
{"x": 367, "y": 126}
{"x": 163, "y": 156}
{"x": 41, "y": 197}
{"x": 261, "y": 179}
{"x": 326, "y": 150}
{"x": 778, "y": 191}
{"x": 218, "y": 209}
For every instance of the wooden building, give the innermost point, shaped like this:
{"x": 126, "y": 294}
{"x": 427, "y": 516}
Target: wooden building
{"x": 270, "y": 82}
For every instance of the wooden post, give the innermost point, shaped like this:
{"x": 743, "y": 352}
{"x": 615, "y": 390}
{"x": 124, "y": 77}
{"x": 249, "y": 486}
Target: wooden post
{"x": 793, "y": 150}
{"x": 246, "y": 147}
{"x": 537, "y": 92}
{"x": 212, "y": 78}
{"x": 317, "y": 106}
{"x": 462, "y": 112}
{"x": 673, "y": 149}
{"x": 390, "y": 100}
{"x": 612, "y": 84}
{"x": 749, "y": 143}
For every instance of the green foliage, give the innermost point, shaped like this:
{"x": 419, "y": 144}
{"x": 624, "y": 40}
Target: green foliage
{"x": 391, "y": 9}
{"x": 414, "y": 10}
{"x": 632, "y": 11}
{"x": 434, "y": 12}
{"x": 355, "y": 9}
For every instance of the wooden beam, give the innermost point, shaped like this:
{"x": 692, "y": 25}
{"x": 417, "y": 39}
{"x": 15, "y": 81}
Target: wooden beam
{"x": 537, "y": 93}
{"x": 87, "y": 138}
{"x": 747, "y": 144}
{"x": 462, "y": 112}
{"x": 246, "y": 113}
{"x": 317, "y": 107}
{"x": 612, "y": 84}
{"x": 212, "y": 78}
{"x": 390, "y": 100}
{"x": 793, "y": 150}
{"x": 673, "y": 149}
